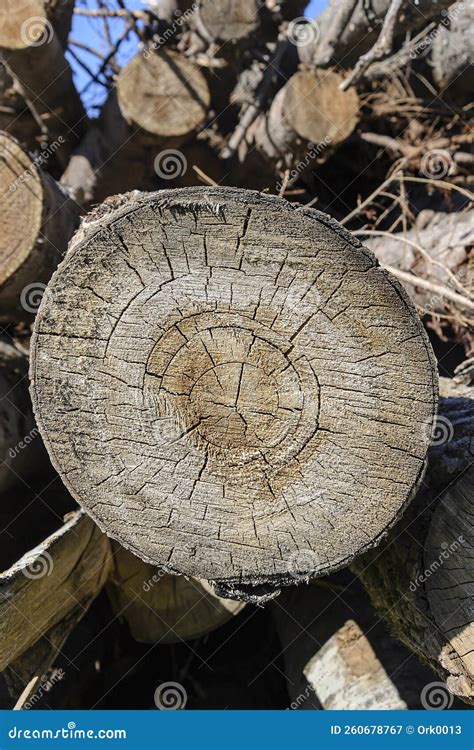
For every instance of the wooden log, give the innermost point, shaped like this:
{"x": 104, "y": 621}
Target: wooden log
{"x": 58, "y": 579}
{"x": 308, "y": 619}
{"x": 38, "y": 222}
{"x": 230, "y": 20}
{"x": 421, "y": 578}
{"x": 346, "y": 674}
{"x": 225, "y": 361}
{"x": 161, "y": 99}
{"x": 309, "y": 116}
{"x": 452, "y": 52}
{"x": 161, "y": 608}
{"x": 21, "y": 449}
{"x": 348, "y": 29}
{"x": 35, "y": 58}
{"x": 164, "y": 94}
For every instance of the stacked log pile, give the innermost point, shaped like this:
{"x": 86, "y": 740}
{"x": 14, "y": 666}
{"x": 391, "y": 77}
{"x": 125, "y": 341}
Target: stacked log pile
{"x": 234, "y": 407}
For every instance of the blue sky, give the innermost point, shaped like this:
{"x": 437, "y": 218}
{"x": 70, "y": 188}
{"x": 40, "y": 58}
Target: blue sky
{"x": 89, "y": 32}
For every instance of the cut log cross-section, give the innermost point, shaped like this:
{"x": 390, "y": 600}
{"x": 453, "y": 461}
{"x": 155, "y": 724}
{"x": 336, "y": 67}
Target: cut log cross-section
{"x": 238, "y": 380}
{"x": 309, "y": 109}
{"x": 161, "y": 99}
{"x": 35, "y": 57}
{"x": 230, "y": 20}
{"x": 38, "y": 219}
{"x": 164, "y": 94}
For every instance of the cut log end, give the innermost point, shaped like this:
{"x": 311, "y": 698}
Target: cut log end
{"x": 317, "y": 109}
{"x": 234, "y": 365}
{"x": 22, "y": 24}
{"x": 22, "y": 199}
{"x": 163, "y": 93}
{"x": 230, "y": 20}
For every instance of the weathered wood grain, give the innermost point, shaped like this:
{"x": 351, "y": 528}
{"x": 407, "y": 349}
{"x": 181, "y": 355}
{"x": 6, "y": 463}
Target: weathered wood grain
{"x": 34, "y": 56}
{"x": 230, "y": 385}
{"x": 346, "y": 674}
{"x": 36, "y": 223}
{"x": 164, "y": 608}
{"x": 57, "y": 580}
{"x": 421, "y": 578}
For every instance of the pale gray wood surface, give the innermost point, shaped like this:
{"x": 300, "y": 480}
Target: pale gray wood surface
{"x": 231, "y": 386}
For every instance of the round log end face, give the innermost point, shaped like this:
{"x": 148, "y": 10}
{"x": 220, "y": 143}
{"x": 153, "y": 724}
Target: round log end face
{"x": 231, "y": 386}
{"x": 317, "y": 109}
{"x": 23, "y": 23}
{"x": 22, "y": 206}
{"x": 163, "y": 93}
{"x": 230, "y": 20}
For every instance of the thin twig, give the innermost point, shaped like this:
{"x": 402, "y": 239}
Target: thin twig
{"x": 382, "y": 47}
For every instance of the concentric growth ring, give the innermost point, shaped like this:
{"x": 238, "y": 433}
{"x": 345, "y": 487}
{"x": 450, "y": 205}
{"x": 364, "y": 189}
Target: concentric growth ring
{"x": 230, "y": 385}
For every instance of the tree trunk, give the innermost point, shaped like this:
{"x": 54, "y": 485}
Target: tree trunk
{"x": 308, "y": 116}
{"x": 226, "y": 380}
{"x": 163, "y": 608}
{"x": 421, "y": 577}
{"x": 38, "y": 222}
{"x": 35, "y": 58}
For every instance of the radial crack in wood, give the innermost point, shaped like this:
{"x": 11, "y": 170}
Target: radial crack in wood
{"x": 230, "y": 385}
